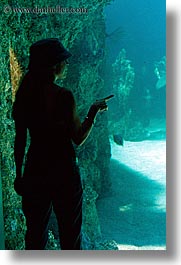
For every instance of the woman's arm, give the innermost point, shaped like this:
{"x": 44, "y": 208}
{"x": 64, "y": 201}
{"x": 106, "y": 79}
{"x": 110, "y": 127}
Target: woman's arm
{"x": 19, "y": 146}
{"x": 80, "y": 131}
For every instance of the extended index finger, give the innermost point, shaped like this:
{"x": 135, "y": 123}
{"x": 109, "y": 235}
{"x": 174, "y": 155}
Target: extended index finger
{"x": 109, "y": 97}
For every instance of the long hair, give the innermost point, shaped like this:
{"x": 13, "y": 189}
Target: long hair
{"x": 29, "y": 95}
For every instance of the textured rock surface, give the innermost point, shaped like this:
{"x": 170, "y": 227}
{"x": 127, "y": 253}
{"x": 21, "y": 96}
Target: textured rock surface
{"x": 84, "y": 35}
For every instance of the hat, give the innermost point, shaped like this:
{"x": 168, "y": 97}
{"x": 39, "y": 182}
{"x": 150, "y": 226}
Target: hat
{"x": 47, "y": 53}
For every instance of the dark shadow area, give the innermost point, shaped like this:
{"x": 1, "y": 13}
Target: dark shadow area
{"x": 173, "y": 134}
{"x": 131, "y": 214}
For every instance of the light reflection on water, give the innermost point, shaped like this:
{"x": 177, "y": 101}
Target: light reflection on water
{"x": 146, "y": 157}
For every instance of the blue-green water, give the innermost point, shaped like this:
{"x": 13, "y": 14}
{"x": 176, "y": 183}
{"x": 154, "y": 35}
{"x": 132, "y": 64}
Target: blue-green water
{"x": 142, "y": 27}
{"x": 143, "y": 24}
{"x": 133, "y": 213}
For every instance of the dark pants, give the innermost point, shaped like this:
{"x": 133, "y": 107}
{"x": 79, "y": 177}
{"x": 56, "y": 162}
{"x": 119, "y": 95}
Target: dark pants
{"x": 67, "y": 205}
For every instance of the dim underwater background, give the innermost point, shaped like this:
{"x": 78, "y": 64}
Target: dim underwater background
{"x": 133, "y": 213}
{"x": 118, "y": 48}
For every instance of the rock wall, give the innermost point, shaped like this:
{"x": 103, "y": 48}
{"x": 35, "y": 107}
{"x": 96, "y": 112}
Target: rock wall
{"x": 84, "y": 34}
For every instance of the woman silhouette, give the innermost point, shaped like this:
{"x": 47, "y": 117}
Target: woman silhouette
{"x": 50, "y": 178}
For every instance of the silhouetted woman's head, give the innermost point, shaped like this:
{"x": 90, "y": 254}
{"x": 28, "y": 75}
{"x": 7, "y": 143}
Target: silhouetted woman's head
{"x": 48, "y": 57}
{"x": 47, "y": 61}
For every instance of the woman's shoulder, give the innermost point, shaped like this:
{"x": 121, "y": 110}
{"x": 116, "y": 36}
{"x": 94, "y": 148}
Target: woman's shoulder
{"x": 62, "y": 91}
{"x": 64, "y": 94}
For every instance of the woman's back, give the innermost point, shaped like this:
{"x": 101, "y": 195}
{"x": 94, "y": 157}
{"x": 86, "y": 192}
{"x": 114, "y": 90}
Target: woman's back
{"x": 46, "y": 110}
{"x": 49, "y": 123}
